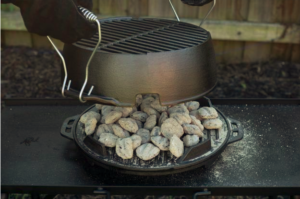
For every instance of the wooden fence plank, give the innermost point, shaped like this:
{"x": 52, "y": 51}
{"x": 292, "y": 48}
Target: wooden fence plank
{"x": 113, "y": 7}
{"x": 236, "y": 10}
{"x": 95, "y": 7}
{"x": 286, "y": 12}
{"x": 160, "y": 8}
{"x": 282, "y": 13}
{"x": 219, "y": 50}
{"x": 259, "y": 11}
{"x": 17, "y": 38}
{"x": 2, "y": 38}
{"x": 233, "y": 51}
{"x": 281, "y": 52}
{"x": 247, "y": 31}
{"x": 296, "y": 53}
{"x": 295, "y": 16}
{"x": 221, "y": 30}
{"x": 239, "y": 10}
{"x": 256, "y": 51}
{"x": 42, "y": 42}
{"x": 138, "y": 8}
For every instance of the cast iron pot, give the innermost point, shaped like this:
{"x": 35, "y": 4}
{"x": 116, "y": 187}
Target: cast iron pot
{"x": 202, "y": 154}
{"x": 137, "y": 56}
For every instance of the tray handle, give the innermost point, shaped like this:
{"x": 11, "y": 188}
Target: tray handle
{"x": 239, "y": 130}
{"x": 68, "y": 126}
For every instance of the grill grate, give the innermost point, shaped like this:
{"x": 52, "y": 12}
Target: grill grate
{"x": 142, "y": 36}
{"x": 164, "y": 159}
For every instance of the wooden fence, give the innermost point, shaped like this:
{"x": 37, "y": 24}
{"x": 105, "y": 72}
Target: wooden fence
{"x": 243, "y": 30}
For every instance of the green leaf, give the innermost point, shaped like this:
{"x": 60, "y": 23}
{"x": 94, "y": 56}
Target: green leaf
{"x": 244, "y": 85}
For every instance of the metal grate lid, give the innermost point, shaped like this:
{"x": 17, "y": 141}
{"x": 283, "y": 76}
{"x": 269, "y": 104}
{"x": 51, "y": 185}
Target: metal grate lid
{"x": 141, "y": 36}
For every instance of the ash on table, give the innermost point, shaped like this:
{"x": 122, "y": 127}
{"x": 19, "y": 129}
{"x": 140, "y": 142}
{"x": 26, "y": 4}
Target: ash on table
{"x": 36, "y": 73}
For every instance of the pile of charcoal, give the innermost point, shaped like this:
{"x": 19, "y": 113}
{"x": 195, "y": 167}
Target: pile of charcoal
{"x": 149, "y": 127}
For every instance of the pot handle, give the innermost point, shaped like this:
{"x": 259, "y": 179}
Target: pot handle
{"x": 68, "y": 126}
{"x": 178, "y": 19}
{"x": 238, "y": 130}
{"x": 92, "y": 18}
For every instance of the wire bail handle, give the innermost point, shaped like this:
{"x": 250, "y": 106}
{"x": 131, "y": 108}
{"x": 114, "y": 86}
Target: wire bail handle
{"x": 178, "y": 19}
{"x": 93, "y": 18}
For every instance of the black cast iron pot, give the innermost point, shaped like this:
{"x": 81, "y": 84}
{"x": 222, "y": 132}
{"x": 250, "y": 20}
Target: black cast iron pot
{"x": 202, "y": 154}
{"x": 137, "y": 56}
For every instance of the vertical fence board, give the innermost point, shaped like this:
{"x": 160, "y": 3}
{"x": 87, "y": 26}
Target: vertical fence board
{"x": 233, "y": 51}
{"x": 105, "y": 7}
{"x": 259, "y": 11}
{"x": 160, "y": 8}
{"x": 113, "y": 7}
{"x": 295, "y": 16}
{"x": 239, "y": 10}
{"x": 17, "y": 38}
{"x": 42, "y": 42}
{"x": 219, "y": 13}
{"x": 2, "y": 38}
{"x": 256, "y": 51}
{"x": 95, "y": 6}
{"x": 138, "y": 8}
{"x": 284, "y": 12}
{"x": 219, "y": 50}
{"x": 228, "y": 10}
{"x": 281, "y": 52}
{"x": 296, "y": 53}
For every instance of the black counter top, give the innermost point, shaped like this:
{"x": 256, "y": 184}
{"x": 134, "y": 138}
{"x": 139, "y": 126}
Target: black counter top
{"x": 36, "y": 158}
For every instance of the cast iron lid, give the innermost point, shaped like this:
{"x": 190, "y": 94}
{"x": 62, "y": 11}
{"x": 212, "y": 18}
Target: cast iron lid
{"x": 129, "y": 35}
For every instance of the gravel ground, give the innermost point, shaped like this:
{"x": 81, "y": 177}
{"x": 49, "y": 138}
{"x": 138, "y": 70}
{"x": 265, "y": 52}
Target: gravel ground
{"x": 30, "y": 73}
{"x": 36, "y": 73}
{"x": 258, "y": 80}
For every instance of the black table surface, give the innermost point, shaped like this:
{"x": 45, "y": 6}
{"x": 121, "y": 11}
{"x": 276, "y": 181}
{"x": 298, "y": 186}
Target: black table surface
{"x": 266, "y": 161}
